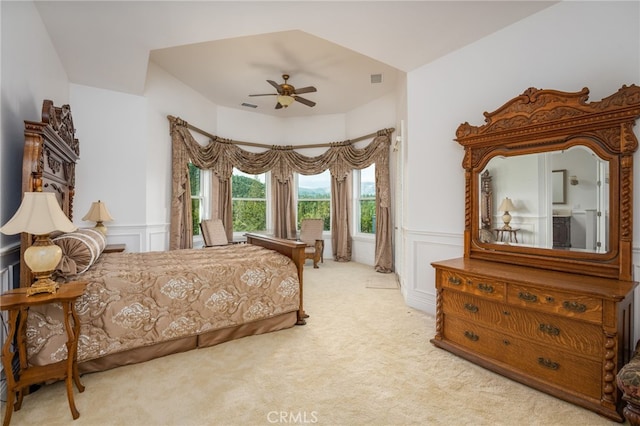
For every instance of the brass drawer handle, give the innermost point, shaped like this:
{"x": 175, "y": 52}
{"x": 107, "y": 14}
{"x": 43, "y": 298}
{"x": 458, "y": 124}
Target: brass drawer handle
{"x": 455, "y": 280}
{"x": 527, "y": 297}
{"x": 550, "y": 329}
{"x": 471, "y": 336}
{"x": 548, "y": 363}
{"x": 471, "y": 307}
{"x": 574, "y": 307}
{"x": 485, "y": 287}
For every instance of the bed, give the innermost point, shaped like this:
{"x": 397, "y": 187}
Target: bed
{"x": 140, "y": 306}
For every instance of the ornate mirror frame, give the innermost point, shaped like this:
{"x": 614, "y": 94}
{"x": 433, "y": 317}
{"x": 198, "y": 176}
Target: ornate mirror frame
{"x": 548, "y": 120}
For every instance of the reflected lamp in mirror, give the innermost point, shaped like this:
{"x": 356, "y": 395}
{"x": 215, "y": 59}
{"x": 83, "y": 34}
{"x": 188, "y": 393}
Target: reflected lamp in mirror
{"x": 506, "y": 206}
{"x": 98, "y": 213}
{"x": 39, "y": 215}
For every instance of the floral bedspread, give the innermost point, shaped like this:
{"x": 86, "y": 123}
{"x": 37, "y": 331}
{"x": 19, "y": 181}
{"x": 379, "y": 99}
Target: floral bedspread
{"x": 138, "y": 299}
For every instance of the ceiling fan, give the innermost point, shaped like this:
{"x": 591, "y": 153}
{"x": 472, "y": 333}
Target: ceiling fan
{"x": 287, "y": 94}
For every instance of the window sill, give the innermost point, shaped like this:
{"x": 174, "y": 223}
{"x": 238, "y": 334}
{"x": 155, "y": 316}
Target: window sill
{"x": 364, "y": 237}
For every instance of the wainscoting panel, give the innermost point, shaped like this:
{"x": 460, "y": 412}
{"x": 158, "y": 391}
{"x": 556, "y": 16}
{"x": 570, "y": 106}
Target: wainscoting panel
{"x": 422, "y": 248}
{"x": 140, "y": 238}
{"x": 158, "y": 238}
{"x": 363, "y": 249}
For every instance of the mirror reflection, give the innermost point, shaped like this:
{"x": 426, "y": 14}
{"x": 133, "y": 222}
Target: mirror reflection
{"x": 556, "y": 200}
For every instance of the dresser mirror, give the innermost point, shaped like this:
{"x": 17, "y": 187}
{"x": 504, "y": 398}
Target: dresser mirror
{"x": 510, "y": 212}
{"x": 560, "y": 200}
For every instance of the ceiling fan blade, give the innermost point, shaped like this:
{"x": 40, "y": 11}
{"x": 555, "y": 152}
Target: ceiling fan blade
{"x": 266, "y": 94}
{"x": 276, "y": 85}
{"x": 307, "y": 102}
{"x": 278, "y": 106}
{"x": 307, "y": 89}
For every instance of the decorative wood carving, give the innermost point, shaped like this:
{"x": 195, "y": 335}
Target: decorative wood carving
{"x": 549, "y": 120}
{"x": 50, "y": 155}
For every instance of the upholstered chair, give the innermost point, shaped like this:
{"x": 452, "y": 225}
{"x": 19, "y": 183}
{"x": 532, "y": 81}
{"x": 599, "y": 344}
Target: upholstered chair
{"x": 311, "y": 235}
{"x": 628, "y": 380}
{"x": 213, "y": 233}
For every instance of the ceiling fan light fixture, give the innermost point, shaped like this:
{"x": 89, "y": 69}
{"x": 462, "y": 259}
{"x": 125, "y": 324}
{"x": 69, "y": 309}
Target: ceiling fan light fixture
{"x": 285, "y": 100}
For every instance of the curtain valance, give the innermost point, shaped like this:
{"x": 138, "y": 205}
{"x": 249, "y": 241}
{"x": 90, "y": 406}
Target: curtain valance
{"x": 222, "y": 155}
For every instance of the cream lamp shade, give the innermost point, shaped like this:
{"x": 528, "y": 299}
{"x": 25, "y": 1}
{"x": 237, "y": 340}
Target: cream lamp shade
{"x": 98, "y": 213}
{"x": 506, "y": 206}
{"x": 285, "y": 100}
{"x": 40, "y": 214}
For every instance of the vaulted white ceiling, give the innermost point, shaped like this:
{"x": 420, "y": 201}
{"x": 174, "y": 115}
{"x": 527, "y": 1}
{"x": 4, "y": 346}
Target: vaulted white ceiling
{"x": 227, "y": 50}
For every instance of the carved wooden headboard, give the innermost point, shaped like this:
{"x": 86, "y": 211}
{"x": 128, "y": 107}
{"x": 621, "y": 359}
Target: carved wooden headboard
{"x": 49, "y": 164}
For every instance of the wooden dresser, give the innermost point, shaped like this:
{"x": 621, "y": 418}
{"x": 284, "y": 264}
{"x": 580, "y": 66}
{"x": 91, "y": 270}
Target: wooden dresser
{"x": 561, "y": 333}
{"x": 551, "y": 316}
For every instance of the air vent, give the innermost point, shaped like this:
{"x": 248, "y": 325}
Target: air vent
{"x": 244, "y": 104}
{"x": 376, "y": 78}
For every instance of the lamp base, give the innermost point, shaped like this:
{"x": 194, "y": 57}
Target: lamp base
{"x": 100, "y": 228}
{"x": 506, "y": 218}
{"x": 45, "y": 285}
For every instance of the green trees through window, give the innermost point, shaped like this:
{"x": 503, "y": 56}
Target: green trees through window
{"x": 314, "y": 198}
{"x": 249, "y": 202}
{"x": 367, "y": 199}
{"x": 197, "y": 196}
{"x": 249, "y": 199}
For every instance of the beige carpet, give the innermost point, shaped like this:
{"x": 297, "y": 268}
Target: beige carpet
{"x": 364, "y": 358}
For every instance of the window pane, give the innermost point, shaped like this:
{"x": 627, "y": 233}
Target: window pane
{"x": 368, "y": 182}
{"x": 249, "y": 203}
{"x": 244, "y": 185}
{"x": 249, "y": 216}
{"x": 315, "y": 186}
{"x": 196, "y": 215}
{"x": 368, "y": 216}
{"x": 314, "y": 198}
{"x": 367, "y": 200}
{"x": 194, "y": 178}
{"x": 315, "y": 210}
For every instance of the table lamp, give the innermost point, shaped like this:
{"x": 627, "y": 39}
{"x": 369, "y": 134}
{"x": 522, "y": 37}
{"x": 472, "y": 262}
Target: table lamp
{"x": 40, "y": 214}
{"x": 98, "y": 213}
{"x": 505, "y": 207}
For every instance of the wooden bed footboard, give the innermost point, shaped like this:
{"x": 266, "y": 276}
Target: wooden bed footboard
{"x": 290, "y": 248}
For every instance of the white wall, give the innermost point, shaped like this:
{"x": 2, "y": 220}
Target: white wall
{"x": 31, "y": 72}
{"x": 566, "y": 47}
{"x": 126, "y": 154}
{"x": 112, "y": 130}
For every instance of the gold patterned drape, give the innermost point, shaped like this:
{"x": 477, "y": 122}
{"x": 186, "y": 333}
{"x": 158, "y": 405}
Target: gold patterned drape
{"x": 222, "y": 155}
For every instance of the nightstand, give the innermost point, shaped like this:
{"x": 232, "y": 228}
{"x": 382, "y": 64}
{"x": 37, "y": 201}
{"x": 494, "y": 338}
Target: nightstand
{"x": 18, "y": 303}
{"x": 114, "y": 248}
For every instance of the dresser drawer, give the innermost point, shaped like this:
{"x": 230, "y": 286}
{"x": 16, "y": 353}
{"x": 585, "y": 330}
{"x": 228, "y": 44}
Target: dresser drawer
{"x": 545, "y": 363}
{"x": 484, "y": 287}
{"x": 582, "y": 337}
{"x": 570, "y": 305}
